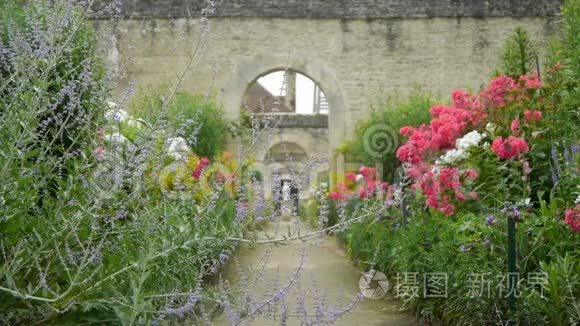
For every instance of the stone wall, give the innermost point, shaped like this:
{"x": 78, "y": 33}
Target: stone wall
{"x": 355, "y": 61}
{"x": 344, "y": 9}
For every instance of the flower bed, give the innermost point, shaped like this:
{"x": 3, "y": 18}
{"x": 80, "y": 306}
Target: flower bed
{"x": 508, "y": 152}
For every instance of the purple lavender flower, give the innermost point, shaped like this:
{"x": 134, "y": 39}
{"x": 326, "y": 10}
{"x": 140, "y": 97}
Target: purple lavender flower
{"x": 517, "y": 215}
{"x": 490, "y": 220}
{"x": 182, "y": 311}
{"x": 554, "y": 176}
{"x": 223, "y": 257}
{"x": 567, "y": 156}
{"x": 463, "y": 249}
{"x": 487, "y": 242}
{"x": 555, "y": 160}
{"x": 507, "y": 206}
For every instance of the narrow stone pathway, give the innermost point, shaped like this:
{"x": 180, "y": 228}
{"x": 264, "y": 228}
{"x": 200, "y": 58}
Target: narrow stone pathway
{"x": 328, "y": 267}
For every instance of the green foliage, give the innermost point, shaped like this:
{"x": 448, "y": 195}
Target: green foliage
{"x": 468, "y": 246}
{"x": 468, "y": 243}
{"x": 85, "y": 233}
{"x": 519, "y": 55}
{"x": 571, "y": 13}
{"x": 311, "y": 212}
{"x": 393, "y": 112}
{"x": 52, "y": 90}
{"x": 199, "y": 121}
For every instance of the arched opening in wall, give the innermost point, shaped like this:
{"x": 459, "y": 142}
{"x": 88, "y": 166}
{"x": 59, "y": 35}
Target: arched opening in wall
{"x": 296, "y": 109}
{"x": 285, "y": 152}
{"x": 283, "y": 162}
{"x": 285, "y": 91}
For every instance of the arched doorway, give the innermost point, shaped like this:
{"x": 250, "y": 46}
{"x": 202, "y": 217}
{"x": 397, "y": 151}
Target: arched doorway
{"x": 284, "y": 174}
{"x": 296, "y": 109}
{"x": 232, "y": 94}
{"x": 285, "y": 91}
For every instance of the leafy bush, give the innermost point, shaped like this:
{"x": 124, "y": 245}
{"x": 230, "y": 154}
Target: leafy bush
{"x": 468, "y": 247}
{"x": 85, "y": 232}
{"x": 394, "y": 112}
{"x": 192, "y": 117}
{"x": 571, "y": 37}
{"x": 507, "y": 152}
{"x": 519, "y": 56}
{"x": 52, "y": 92}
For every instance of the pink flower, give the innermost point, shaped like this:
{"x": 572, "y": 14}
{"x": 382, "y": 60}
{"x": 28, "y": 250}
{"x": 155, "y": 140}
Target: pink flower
{"x": 99, "y": 153}
{"x": 498, "y": 89}
{"x": 531, "y": 82}
{"x": 532, "y": 116}
{"x": 461, "y": 99}
{"x": 368, "y": 173}
{"x": 509, "y": 148}
{"x": 406, "y": 131}
{"x": 573, "y": 218}
{"x": 526, "y": 167}
{"x": 409, "y": 154}
{"x": 448, "y": 124}
{"x": 515, "y": 127}
{"x": 471, "y": 174}
{"x": 362, "y": 193}
{"x": 204, "y": 162}
{"x": 351, "y": 178}
{"x": 336, "y": 196}
{"x": 447, "y": 207}
{"x": 385, "y": 186}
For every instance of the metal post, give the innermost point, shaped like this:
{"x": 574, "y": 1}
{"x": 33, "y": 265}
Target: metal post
{"x": 512, "y": 269}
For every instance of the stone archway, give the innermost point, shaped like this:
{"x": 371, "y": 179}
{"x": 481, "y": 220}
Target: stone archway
{"x": 246, "y": 72}
{"x": 274, "y": 163}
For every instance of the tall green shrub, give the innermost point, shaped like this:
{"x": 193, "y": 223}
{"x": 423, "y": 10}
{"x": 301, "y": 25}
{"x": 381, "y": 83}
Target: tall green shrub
{"x": 199, "y": 121}
{"x": 519, "y": 55}
{"x": 387, "y": 117}
{"x": 571, "y": 35}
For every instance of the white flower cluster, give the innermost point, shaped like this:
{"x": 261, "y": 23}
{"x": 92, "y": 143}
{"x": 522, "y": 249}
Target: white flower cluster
{"x": 115, "y": 114}
{"x": 491, "y": 128}
{"x": 178, "y": 148}
{"x": 471, "y": 139}
{"x": 461, "y": 145}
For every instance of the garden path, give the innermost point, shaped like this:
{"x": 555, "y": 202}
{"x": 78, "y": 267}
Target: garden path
{"x": 326, "y": 265}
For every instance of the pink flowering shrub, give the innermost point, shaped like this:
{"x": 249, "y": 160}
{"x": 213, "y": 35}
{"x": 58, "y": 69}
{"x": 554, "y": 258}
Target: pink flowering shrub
{"x": 203, "y": 164}
{"x": 433, "y": 152}
{"x": 572, "y": 218}
{"x": 364, "y": 186}
{"x": 532, "y": 116}
{"x": 507, "y": 149}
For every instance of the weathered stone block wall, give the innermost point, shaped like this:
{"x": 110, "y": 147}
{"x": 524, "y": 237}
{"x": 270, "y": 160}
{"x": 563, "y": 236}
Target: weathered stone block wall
{"x": 354, "y": 61}
{"x": 343, "y": 9}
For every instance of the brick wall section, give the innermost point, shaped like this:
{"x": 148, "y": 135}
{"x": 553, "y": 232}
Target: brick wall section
{"x": 343, "y": 9}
